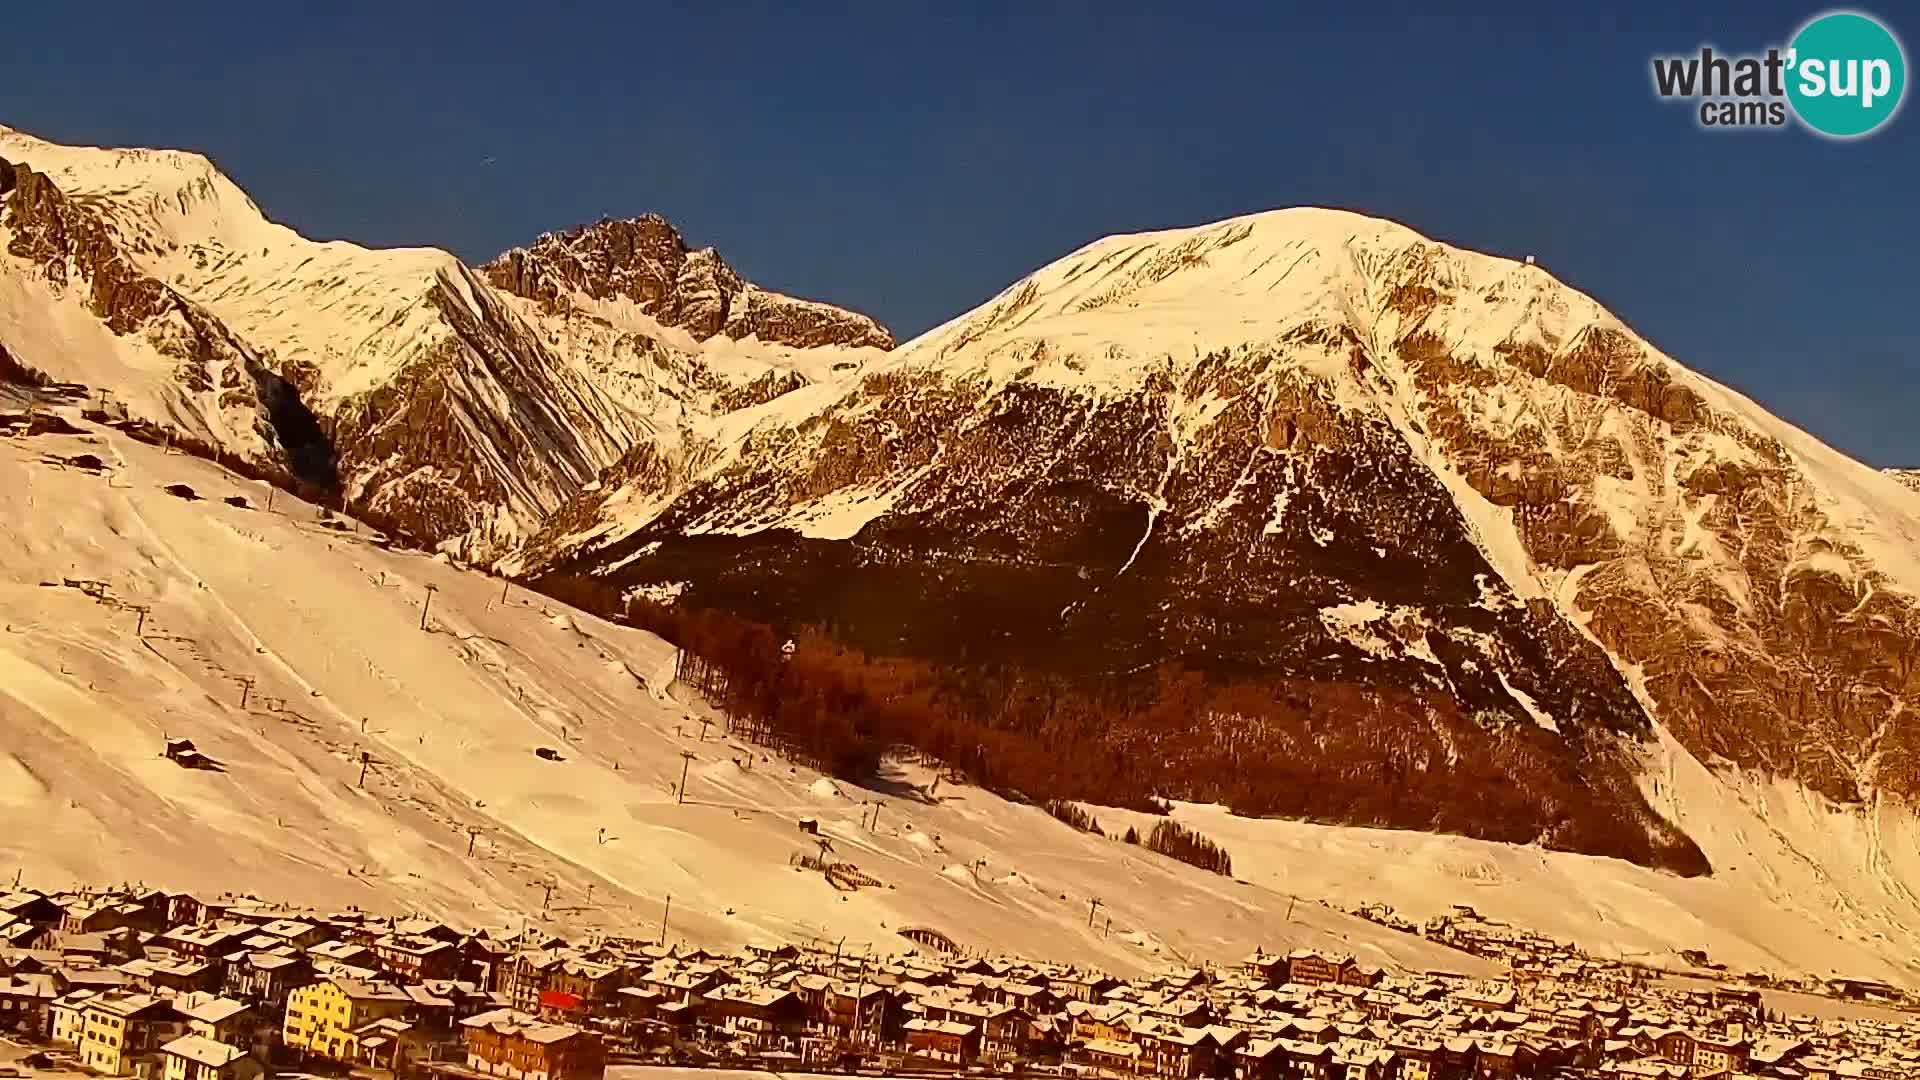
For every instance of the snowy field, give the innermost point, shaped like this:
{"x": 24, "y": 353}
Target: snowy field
{"x": 1767, "y": 907}
{"x": 319, "y": 632}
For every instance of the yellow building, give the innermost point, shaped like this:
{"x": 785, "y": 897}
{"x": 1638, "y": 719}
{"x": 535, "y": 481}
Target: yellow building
{"x": 122, "y": 1033}
{"x": 322, "y": 1017}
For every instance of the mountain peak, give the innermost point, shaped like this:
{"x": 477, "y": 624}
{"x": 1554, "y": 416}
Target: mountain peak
{"x": 645, "y": 262}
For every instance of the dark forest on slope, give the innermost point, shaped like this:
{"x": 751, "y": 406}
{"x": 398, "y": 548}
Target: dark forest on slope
{"x": 1312, "y": 750}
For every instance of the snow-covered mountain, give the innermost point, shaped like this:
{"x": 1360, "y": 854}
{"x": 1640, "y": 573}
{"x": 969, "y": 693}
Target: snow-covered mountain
{"x": 466, "y": 412}
{"x": 1465, "y": 535}
{"x": 1317, "y": 445}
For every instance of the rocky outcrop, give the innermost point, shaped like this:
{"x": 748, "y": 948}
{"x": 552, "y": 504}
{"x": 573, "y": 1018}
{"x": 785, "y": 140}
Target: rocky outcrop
{"x": 70, "y": 245}
{"x": 484, "y": 434}
{"x": 1697, "y": 549}
{"x": 644, "y": 261}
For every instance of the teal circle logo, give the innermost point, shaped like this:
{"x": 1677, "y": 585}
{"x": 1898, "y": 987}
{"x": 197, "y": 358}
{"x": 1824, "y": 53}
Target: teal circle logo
{"x": 1846, "y": 74}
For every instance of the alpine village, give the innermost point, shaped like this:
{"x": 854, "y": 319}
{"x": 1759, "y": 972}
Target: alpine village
{"x": 171, "y": 986}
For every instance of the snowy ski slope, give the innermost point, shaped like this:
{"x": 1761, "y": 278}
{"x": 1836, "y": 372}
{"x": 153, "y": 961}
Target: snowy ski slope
{"x": 319, "y": 631}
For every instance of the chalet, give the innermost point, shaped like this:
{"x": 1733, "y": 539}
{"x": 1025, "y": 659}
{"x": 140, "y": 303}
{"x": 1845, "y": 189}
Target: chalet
{"x": 255, "y": 912}
{"x": 195, "y": 1057}
{"x": 1309, "y": 968}
{"x": 391, "y": 1044}
{"x": 187, "y": 909}
{"x": 762, "y": 1017}
{"x": 339, "y": 951}
{"x": 411, "y": 957}
{"x": 1187, "y": 1012}
{"x": 943, "y": 1041}
{"x": 211, "y": 1016}
{"x": 1108, "y": 1057}
{"x": 31, "y": 907}
{"x": 83, "y": 917}
{"x": 1265, "y": 968}
{"x": 427, "y": 928}
{"x": 266, "y": 977}
{"x": 1077, "y": 987}
{"x": 1363, "y": 1060}
{"x": 67, "y": 1017}
{"x": 684, "y": 984}
{"x": 480, "y": 957}
{"x": 1003, "y": 1028}
{"x": 17, "y": 933}
{"x": 1501, "y": 1060}
{"x": 25, "y": 999}
{"x": 1307, "y": 1060}
{"x": 109, "y": 947}
{"x": 203, "y": 941}
{"x": 441, "y": 1003}
{"x": 1314, "y": 1029}
{"x": 1418, "y": 1058}
{"x": 1354, "y": 973}
{"x": 300, "y": 935}
{"x": 1088, "y": 1022}
{"x": 1671, "y": 1044}
{"x": 1259, "y": 1059}
{"x": 508, "y": 1043}
{"x": 1174, "y": 1052}
{"x": 580, "y": 988}
{"x": 1030, "y": 998}
{"x": 172, "y": 976}
{"x": 522, "y": 977}
{"x": 1715, "y": 1055}
{"x": 681, "y": 1017}
{"x": 1777, "y": 1051}
{"x": 637, "y": 1003}
{"x": 858, "y": 1011}
{"x": 1486, "y": 997}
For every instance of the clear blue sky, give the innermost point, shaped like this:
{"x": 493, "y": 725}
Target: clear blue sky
{"x": 911, "y": 165}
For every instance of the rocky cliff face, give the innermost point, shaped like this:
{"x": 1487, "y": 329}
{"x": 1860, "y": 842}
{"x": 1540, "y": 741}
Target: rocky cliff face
{"x": 463, "y": 413}
{"x": 236, "y": 400}
{"x": 1313, "y": 445}
{"x": 645, "y": 262}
